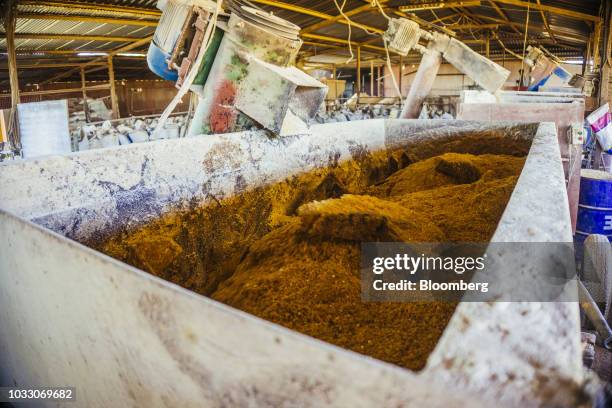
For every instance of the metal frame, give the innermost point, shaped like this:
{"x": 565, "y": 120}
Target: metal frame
{"x": 138, "y": 17}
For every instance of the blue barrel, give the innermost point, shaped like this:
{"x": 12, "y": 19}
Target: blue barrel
{"x": 594, "y": 205}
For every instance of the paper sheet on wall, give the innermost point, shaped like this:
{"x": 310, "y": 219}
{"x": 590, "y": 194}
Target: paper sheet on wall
{"x": 43, "y": 128}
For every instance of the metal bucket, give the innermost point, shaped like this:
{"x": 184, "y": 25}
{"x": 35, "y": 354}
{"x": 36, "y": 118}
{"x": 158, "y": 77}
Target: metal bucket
{"x": 71, "y": 316}
{"x": 595, "y": 204}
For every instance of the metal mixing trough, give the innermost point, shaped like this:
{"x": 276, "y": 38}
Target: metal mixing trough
{"x": 71, "y": 316}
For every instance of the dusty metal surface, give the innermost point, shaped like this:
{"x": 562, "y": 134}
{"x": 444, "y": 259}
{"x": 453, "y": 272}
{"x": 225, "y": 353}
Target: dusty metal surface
{"x": 422, "y": 84}
{"x": 252, "y": 81}
{"x": 550, "y": 107}
{"x": 123, "y": 337}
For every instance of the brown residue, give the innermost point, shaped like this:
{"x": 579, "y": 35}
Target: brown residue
{"x": 290, "y": 252}
{"x": 223, "y": 115}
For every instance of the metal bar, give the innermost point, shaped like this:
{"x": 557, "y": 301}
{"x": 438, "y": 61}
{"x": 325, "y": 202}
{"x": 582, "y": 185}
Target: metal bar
{"x": 545, "y": 21}
{"x": 69, "y": 37}
{"x": 339, "y": 17}
{"x": 341, "y": 41}
{"x": 440, "y": 5}
{"x": 90, "y": 19}
{"x": 9, "y": 28}
{"x": 535, "y": 27}
{"x": 503, "y": 16}
{"x": 125, "y": 48}
{"x": 421, "y": 84}
{"x": 441, "y": 19}
{"x": 557, "y": 10}
{"x": 38, "y": 66}
{"x": 316, "y": 44}
{"x": 54, "y": 52}
{"x": 328, "y": 18}
{"x": 60, "y": 91}
{"x": 473, "y": 26}
{"x": 90, "y": 6}
{"x": 426, "y": 23}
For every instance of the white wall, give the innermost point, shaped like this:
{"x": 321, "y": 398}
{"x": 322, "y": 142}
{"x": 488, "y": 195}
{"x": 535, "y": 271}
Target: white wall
{"x": 450, "y": 81}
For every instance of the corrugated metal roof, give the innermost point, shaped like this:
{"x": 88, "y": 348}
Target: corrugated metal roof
{"x": 571, "y": 34}
{"x": 33, "y": 8}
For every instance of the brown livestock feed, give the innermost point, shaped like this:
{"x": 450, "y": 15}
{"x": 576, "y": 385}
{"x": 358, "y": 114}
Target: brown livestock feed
{"x": 289, "y": 252}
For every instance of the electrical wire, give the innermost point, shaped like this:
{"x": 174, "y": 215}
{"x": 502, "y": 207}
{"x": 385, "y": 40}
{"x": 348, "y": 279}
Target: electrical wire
{"x": 393, "y": 79}
{"x": 509, "y": 51}
{"x": 348, "y": 20}
{"x": 375, "y": 3}
{"x": 207, "y": 41}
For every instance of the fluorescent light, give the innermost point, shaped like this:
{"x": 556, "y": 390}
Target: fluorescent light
{"x": 573, "y": 62}
{"x": 431, "y": 6}
{"x": 92, "y": 54}
{"x": 132, "y": 54}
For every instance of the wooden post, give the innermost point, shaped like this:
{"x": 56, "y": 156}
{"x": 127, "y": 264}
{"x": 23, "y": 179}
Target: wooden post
{"x": 378, "y": 91}
{"x": 371, "y": 78}
{"x": 488, "y": 45}
{"x": 587, "y": 55}
{"x": 358, "y": 73}
{"x": 10, "y": 18}
{"x": 604, "y": 82}
{"x": 334, "y": 77}
{"x": 84, "y": 90}
{"x": 113, "y": 90}
{"x": 595, "y": 46}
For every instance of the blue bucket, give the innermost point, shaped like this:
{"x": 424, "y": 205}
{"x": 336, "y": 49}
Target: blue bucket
{"x": 594, "y": 205}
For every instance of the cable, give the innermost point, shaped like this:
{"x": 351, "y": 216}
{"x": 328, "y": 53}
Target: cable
{"x": 506, "y": 48}
{"x": 208, "y": 36}
{"x": 348, "y": 20}
{"x": 376, "y": 3}
{"x": 397, "y": 88}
